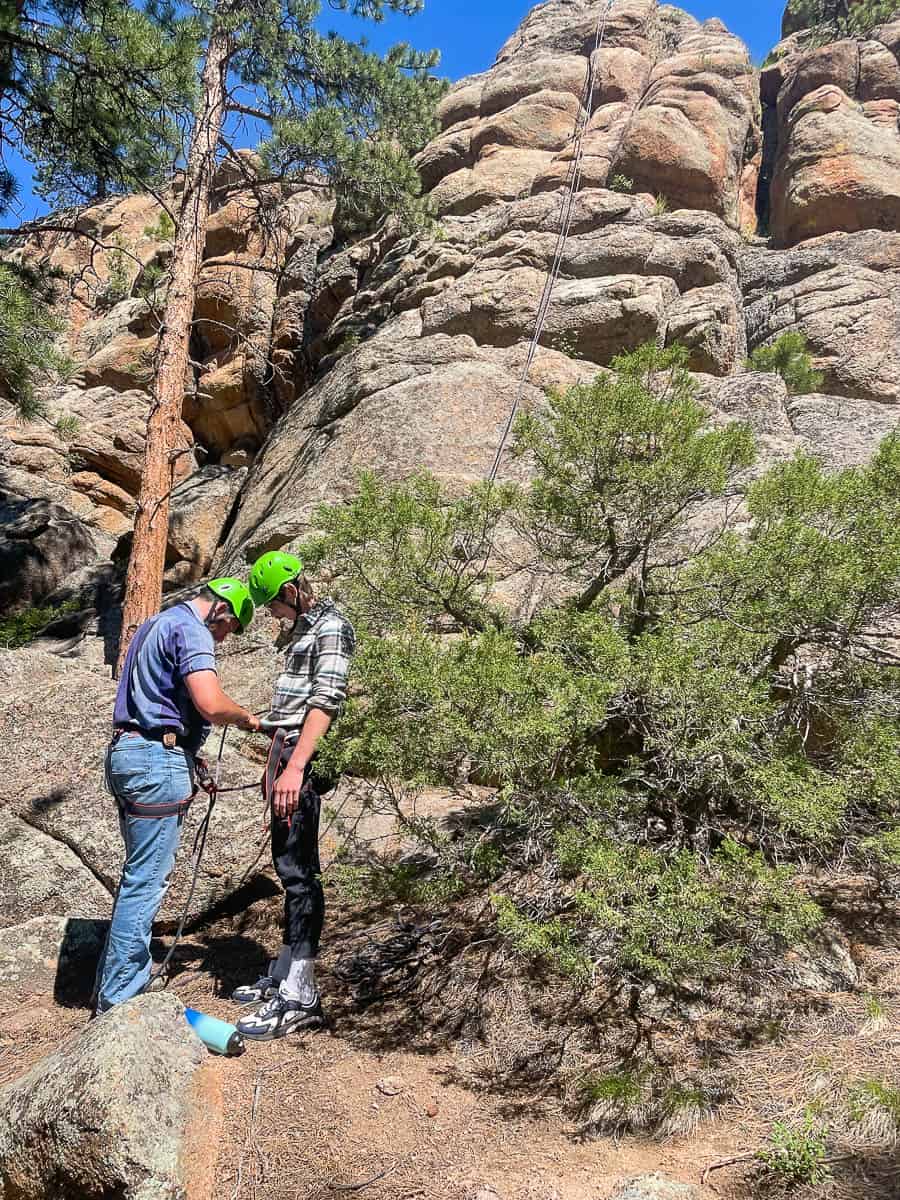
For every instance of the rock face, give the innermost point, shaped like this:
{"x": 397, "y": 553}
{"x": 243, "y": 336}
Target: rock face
{"x": 71, "y": 851}
{"x": 107, "y": 1113}
{"x": 200, "y": 509}
{"x": 672, "y": 107}
{"x": 314, "y": 359}
{"x": 40, "y": 544}
{"x": 836, "y": 111}
{"x": 87, "y": 458}
{"x": 843, "y": 293}
{"x": 50, "y": 956}
{"x": 40, "y": 876}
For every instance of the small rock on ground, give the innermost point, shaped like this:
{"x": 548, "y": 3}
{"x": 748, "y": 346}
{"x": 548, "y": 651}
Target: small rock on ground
{"x": 391, "y": 1085}
{"x": 654, "y": 1187}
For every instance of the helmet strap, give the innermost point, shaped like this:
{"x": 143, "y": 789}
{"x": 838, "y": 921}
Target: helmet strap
{"x": 296, "y": 604}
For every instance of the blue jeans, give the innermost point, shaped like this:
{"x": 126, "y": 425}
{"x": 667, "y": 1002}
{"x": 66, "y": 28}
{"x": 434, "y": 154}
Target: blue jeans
{"x": 143, "y": 775}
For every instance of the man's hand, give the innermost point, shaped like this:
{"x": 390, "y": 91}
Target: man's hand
{"x": 252, "y": 724}
{"x": 286, "y": 793}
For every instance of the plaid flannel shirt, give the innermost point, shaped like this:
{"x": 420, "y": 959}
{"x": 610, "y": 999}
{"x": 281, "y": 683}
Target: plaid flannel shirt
{"x": 316, "y": 667}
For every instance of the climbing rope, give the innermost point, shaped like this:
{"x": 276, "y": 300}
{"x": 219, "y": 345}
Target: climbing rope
{"x": 211, "y": 786}
{"x": 567, "y": 212}
{"x": 376, "y": 968}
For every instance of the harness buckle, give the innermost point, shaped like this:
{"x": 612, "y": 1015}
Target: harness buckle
{"x": 170, "y": 739}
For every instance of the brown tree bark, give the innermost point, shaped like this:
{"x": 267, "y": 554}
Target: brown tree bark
{"x": 143, "y": 586}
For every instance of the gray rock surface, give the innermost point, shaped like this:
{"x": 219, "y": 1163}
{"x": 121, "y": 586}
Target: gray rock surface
{"x": 40, "y": 544}
{"x": 200, "y": 508}
{"x": 105, "y": 1114}
{"x": 838, "y": 158}
{"x": 654, "y": 1187}
{"x": 65, "y": 799}
{"x": 825, "y": 964}
{"x": 40, "y": 876}
{"x": 313, "y": 359}
{"x": 843, "y": 293}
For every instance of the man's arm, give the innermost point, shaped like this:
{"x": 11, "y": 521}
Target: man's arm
{"x": 214, "y": 705}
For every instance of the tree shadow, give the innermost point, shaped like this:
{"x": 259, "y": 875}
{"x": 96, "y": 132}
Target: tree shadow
{"x": 227, "y": 960}
{"x": 869, "y": 1174}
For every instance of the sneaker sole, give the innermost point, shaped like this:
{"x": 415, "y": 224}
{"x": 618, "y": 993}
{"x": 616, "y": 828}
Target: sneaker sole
{"x": 271, "y": 1035}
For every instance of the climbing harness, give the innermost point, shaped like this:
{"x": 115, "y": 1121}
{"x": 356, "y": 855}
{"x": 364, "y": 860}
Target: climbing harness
{"x": 210, "y": 784}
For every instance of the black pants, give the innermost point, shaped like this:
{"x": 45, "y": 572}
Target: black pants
{"x": 295, "y": 854}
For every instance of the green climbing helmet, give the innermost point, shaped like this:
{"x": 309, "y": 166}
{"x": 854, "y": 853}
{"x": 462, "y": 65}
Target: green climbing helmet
{"x": 270, "y": 573}
{"x": 237, "y": 597}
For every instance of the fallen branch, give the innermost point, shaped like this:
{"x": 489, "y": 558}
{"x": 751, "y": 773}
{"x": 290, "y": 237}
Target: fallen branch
{"x": 725, "y": 1162}
{"x": 358, "y": 1187}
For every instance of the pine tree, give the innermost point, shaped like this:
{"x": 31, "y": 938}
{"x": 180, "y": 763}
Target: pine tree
{"x": 90, "y": 91}
{"x": 334, "y": 108}
{"x": 830, "y": 20}
{"x": 28, "y": 351}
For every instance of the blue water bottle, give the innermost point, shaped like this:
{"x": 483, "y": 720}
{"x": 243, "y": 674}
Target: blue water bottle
{"x": 217, "y": 1035}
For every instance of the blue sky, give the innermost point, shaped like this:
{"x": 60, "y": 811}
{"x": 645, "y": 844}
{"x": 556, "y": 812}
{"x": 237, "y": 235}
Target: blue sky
{"x": 469, "y": 33}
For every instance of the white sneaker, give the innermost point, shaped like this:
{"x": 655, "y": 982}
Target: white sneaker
{"x": 280, "y": 1016}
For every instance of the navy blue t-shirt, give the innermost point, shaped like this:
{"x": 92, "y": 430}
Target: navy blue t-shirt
{"x": 152, "y": 691}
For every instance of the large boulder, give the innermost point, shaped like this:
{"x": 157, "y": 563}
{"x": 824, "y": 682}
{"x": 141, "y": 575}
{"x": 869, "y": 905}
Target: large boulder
{"x": 108, "y": 1113}
{"x": 51, "y": 957}
{"x": 654, "y": 1187}
{"x": 200, "y": 508}
{"x": 843, "y": 293}
{"x": 64, "y": 797}
{"x": 595, "y": 317}
{"x": 687, "y": 139}
{"x": 673, "y": 109}
{"x": 119, "y": 347}
{"x": 401, "y": 401}
{"x": 41, "y": 544}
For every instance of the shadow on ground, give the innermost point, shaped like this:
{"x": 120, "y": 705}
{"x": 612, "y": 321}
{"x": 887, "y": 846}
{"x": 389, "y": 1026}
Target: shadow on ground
{"x": 76, "y": 967}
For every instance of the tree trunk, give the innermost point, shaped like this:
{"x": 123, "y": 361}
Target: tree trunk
{"x": 143, "y": 587}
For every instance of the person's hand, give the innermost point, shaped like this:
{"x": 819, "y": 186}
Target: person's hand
{"x": 252, "y": 724}
{"x": 286, "y": 793}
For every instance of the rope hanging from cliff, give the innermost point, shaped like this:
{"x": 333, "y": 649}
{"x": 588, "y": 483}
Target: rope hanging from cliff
{"x": 567, "y": 212}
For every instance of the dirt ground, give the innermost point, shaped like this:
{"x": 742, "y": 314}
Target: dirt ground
{"x": 355, "y": 1110}
{"x": 318, "y": 1115}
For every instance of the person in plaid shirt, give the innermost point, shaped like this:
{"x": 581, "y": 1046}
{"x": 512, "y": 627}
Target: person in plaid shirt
{"x": 309, "y": 693}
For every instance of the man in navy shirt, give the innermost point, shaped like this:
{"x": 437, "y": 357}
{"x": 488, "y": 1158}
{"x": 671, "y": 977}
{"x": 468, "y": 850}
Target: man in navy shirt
{"x": 168, "y": 697}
